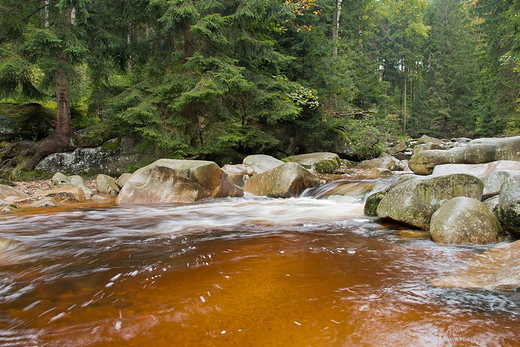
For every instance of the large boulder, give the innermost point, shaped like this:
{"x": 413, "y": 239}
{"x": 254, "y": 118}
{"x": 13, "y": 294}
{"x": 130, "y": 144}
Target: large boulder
{"x": 423, "y": 162}
{"x": 464, "y": 220}
{"x": 261, "y": 162}
{"x": 428, "y": 139}
{"x": 509, "y": 205}
{"x": 284, "y": 181}
{"x": 414, "y": 201}
{"x": 372, "y": 201}
{"x": 495, "y": 269}
{"x": 169, "y": 180}
{"x": 385, "y": 161}
{"x": 321, "y": 162}
{"x": 493, "y": 174}
{"x": 7, "y": 191}
{"x": 491, "y": 149}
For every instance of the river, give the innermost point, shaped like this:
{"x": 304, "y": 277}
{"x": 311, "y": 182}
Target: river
{"x": 237, "y": 272}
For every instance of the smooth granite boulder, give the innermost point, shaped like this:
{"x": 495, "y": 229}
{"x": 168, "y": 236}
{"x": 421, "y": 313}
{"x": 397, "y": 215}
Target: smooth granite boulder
{"x": 285, "y": 181}
{"x": 169, "y": 180}
{"x": 464, "y": 220}
{"x": 261, "y": 162}
{"x": 414, "y": 201}
{"x": 424, "y": 162}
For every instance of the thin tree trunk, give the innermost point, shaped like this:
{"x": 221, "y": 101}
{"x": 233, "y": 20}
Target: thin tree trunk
{"x": 336, "y": 16}
{"x": 404, "y": 100}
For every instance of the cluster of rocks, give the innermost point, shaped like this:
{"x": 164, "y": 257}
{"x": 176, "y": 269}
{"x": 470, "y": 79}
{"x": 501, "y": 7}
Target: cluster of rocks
{"x": 59, "y": 190}
{"x": 470, "y": 197}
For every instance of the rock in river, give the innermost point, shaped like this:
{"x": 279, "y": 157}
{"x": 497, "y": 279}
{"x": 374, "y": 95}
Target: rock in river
{"x": 509, "y": 205}
{"x": 321, "y": 162}
{"x": 169, "y": 180}
{"x": 285, "y": 181}
{"x": 414, "y": 201}
{"x": 463, "y": 220}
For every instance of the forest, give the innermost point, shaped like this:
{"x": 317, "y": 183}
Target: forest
{"x": 219, "y": 79}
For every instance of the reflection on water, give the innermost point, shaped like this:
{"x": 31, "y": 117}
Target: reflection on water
{"x": 236, "y": 272}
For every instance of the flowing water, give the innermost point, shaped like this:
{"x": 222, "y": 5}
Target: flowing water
{"x": 236, "y": 272}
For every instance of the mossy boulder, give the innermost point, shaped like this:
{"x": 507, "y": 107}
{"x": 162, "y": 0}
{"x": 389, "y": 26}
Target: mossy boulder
{"x": 320, "y": 162}
{"x": 169, "y": 180}
{"x": 491, "y": 149}
{"x": 284, "y": 181}
{"x": 424, "y": 162}
{"x": 372, "y": 201}
{"x": 414, "y": 201}
{"x": 464, "y": 220}
{"x": 509, "y": 205}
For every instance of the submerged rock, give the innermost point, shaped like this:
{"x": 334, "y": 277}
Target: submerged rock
{"x": 464, "y": 220}
{"x": 261, "y": 162}
{"x": 321, "y": 162}
{"x": 509, "y": 205}
{"x": 497, "y": 268}
{"x": 285, "y": 181}
{"x": 169, "y": 180}
{"x": 414, "y": 201}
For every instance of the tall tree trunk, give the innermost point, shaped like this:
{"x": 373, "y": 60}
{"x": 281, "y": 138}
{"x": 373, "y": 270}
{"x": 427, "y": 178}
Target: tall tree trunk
{"x": 60, "y": 139}
{"x": 336, "y": 16}
{"x": 404, "y": 99}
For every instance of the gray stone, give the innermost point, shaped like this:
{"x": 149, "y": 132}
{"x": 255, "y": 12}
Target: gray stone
{"x": 106, "y": 185}
{"x": 385, "y": 161}
{"x": 169, "y": 180}
{"x": 492, "y": 149}
{"x": 492, "y": 204}
{"x": 414, "y": 201}
{"x": 122, "y": 179}
{"x": 424, "y": 162}
{"x": 492, "y": 174}
{"x": 261, "y": 162}
{"x": 509, "y": 205}
{"x": 495, "y": 269}
{"x": 463, "y": 220}
{"x": 285, "y": 181}
{"x": 320, "y": 162}
{"x": 427, "y": 139}
{"x": 59, "y": 180}
{"x": 101, "y": 159}
{"x": 239, "y": 173}
{"x": 372, "y": 201}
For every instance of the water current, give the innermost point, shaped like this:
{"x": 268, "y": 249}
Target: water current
{"x": 237, "y": 272}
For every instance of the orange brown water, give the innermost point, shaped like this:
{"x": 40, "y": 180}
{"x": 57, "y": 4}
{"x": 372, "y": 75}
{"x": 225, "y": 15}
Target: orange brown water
{"x": 236, "y": 272}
